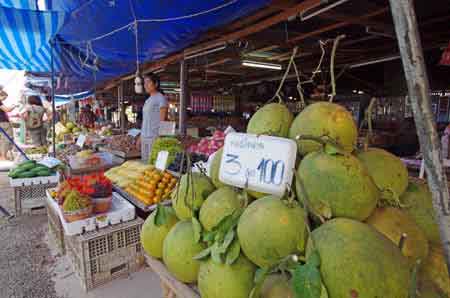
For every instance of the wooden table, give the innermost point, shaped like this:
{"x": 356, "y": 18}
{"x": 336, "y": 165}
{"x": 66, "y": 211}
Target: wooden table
{"x": 172, "y": 288}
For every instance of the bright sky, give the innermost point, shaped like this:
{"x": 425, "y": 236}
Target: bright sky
{"x": 13, "y": 82}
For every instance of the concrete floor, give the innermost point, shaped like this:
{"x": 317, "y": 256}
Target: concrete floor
{"x": 30, "y": 266}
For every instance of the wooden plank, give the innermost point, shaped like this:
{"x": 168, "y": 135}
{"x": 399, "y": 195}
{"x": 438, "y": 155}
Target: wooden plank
{"x": 419, "y": 94}
{"x": 338, "y": 25}
{"x": 181, "y": 290}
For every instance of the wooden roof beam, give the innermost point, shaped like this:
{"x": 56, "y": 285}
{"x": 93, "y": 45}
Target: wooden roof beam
{"x": 338, "y": 25}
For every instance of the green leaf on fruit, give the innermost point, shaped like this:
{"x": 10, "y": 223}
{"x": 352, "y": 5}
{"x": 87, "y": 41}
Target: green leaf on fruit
{"x": 233, "y": 252}
{"x": 203, "y": 254}
{"x": 307, "y": 281}
{"x": 162, "y": 215}
{"x": 260, "y": 277}
{"x": 229, "y": 237}
{"x": 216, "y": 254}
{"x": 197, "y": 229}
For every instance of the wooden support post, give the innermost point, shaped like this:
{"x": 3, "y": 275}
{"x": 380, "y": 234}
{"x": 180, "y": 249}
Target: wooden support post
{"x": 184, "y": 96}
{"x": 408, "y": 37}
{"x": 121, "y": 107}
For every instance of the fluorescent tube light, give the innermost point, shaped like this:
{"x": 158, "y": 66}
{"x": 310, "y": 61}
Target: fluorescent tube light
{"x": 261, "y": 64}
{"x": 191, "y": 55}
{"x": 322, "y": 10}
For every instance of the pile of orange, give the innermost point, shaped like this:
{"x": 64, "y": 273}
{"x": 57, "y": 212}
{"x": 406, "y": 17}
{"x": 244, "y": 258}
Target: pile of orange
{"x": 152, "y": 187}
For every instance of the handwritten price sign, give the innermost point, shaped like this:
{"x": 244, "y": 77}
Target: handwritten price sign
{"x": 260, "y": 163}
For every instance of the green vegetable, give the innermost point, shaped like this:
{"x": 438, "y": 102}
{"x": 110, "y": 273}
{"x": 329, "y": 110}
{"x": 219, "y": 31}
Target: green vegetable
{"x": 170, "y": 144}
{"x": 27, "y": 174}
{"x": 44, "y": 173}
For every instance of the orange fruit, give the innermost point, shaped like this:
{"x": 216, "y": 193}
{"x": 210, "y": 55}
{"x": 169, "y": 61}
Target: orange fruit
{"x": 159, "y": 192}
{"x": 167, "y": 175}
{"x": 162, "y": 185}
{"x": 157, "y": 177}
{"x": 157, "y": 199}
{"x": 173, "y": 181}
{"x": 165, "y": 180}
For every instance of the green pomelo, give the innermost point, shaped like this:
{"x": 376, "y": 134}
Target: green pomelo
{"x": 218, "y": 205}
{"x": 221, "y": 280}
{"x": 152, "y": 236}
{"x": 273, "y": 119}
{"x": 324, "y": 119}
{"x": 277, "y": 286}
{"x": 434, "y": 269}
{"x": 337, "y": 186}
{"x": 269, "y": 230}
{"x": 190, "y": 194}
{"x": 215, "y": 168}
{"x": 358, "y": 261}
{"x": 388, "y": 172}
{"x": 393, "y": 223}
{"x": 418, "y": 203}
{"x": 179, "y": 249}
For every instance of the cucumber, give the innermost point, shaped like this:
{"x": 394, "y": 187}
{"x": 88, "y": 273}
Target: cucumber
{"x": 27, "y": 175}
{"x": 27, "y": 166}
{"x": 44, "y": 173}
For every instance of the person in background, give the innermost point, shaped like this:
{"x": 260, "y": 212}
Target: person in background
{"x": 154, "y": 110}
{"x": 33, "y": 115}
{"x": 87, "y": 117}
{"x": 5, "y": 144}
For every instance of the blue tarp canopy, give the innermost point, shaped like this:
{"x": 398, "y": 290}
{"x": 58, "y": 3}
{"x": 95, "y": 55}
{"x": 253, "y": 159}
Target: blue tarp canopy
{"x": 95, "y": 40}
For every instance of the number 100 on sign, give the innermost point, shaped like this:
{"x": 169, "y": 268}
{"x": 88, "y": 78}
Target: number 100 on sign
{"x": 260, "y": 163}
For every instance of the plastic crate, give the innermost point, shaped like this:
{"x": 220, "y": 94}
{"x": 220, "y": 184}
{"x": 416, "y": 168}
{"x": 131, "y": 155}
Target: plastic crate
{"x": 56, "y": 230}
{"x": 104, "y": 255}
{"x": 29, "y": 197}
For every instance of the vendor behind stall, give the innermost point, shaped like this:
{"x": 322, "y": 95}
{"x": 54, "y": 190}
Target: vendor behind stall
{"x": 87, "y": 117}
{"x": 154, "y": 110}
{"x": 33, "y": 114}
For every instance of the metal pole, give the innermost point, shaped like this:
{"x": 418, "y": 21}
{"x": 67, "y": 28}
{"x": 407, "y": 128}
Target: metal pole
{"x": 419, "y": 93}
{"x": 184, "y": 96}
{"x": 121, "y": 107}
{"x": 53, "y": 97}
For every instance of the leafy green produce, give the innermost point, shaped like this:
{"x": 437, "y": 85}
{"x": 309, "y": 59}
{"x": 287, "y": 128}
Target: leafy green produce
{"x": 169, "y": 144}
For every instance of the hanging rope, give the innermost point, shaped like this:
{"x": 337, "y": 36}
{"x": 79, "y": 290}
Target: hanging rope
{"x": 277, "y": 93}
{"x": 299, "y": 87}
{"x": 333, "y": 56}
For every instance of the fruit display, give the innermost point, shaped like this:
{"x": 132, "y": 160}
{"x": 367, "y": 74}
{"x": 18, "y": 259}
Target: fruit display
{"x": 30, "y": 169}
{"x": 190, "y": 193}
{"x": 66, "y": 151}
{"x": 324, "y": 119}
{"x": 127, "y": 172}
{"x": 36, "y": 150}
{"x": 169, "y": 144}
{"x": 388, "y": 172}
{"x": 154, "y": 232}
{"x": 124, "y": 143}
{"x": 62, "y": 130}
{"x": 207, "y": 146}
{"x": 273, "y": 119}
{"x": 352, "y": 226}
{"x": 152, "y": 187}
{"x": 97, "y": 187}
{"x": 76, "y": 206}
{"x": 179, "y": 250}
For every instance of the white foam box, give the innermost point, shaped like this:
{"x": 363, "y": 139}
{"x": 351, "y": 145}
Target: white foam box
{"x": 121, "y": 211}
{"x": 18, "y": 182}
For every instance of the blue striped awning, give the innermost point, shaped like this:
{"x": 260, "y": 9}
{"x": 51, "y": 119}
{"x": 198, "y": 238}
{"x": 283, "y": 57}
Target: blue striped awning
{"x": 21, "y": 4}
{"x": 25, "y": 38}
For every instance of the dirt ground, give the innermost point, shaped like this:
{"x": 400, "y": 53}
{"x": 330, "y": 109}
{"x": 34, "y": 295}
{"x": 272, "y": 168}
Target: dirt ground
{"x": 30, "y": 266}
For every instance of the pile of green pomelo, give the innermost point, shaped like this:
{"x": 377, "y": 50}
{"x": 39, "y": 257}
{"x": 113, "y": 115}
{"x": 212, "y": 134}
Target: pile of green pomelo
{"x": 354, "y": 226}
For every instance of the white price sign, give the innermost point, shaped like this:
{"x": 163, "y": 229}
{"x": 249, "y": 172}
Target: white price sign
{"x": 260, "y": 163}
{"x": 161, "y": 160}
{"x": 80, "y": 141}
